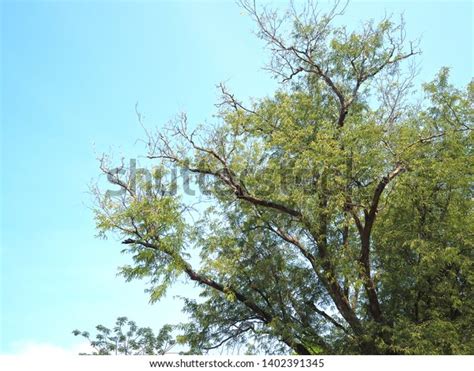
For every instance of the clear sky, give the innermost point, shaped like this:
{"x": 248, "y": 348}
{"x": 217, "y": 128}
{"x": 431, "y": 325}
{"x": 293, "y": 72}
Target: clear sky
{"x": 71, "y": 74}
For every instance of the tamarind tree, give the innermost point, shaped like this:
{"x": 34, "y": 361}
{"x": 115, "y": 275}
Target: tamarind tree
{"x": 335, "y": 216}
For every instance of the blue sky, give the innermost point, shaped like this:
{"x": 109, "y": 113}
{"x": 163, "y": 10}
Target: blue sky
{"x": 71, "y": 74}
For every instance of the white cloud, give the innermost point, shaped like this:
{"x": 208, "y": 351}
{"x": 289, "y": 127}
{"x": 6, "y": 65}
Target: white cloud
{"x": 38, "y": 349}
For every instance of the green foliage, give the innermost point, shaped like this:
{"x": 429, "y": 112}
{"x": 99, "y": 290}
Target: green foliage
{"x": 340, "y": 212}
{"x": 126, "y": 338}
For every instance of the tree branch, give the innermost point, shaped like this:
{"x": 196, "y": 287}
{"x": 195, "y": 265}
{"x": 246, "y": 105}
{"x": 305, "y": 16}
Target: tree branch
{"x": 195, "y": 276}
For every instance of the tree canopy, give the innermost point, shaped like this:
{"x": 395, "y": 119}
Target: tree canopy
{"x": 336, "y": 215}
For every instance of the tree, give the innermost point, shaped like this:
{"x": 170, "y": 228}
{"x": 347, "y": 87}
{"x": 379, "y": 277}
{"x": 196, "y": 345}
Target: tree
{"x": 126, "y": 338}
{"x": 339, "y": 212}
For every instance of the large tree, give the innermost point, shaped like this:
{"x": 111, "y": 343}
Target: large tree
{"x": 338, "y": 213}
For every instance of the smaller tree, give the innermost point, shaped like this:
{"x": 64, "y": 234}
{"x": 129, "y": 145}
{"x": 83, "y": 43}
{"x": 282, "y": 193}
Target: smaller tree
{"x": 126, "y": 338}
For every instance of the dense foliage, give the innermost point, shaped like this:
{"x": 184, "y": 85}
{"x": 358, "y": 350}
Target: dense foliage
{"x": 337, "y": 214}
